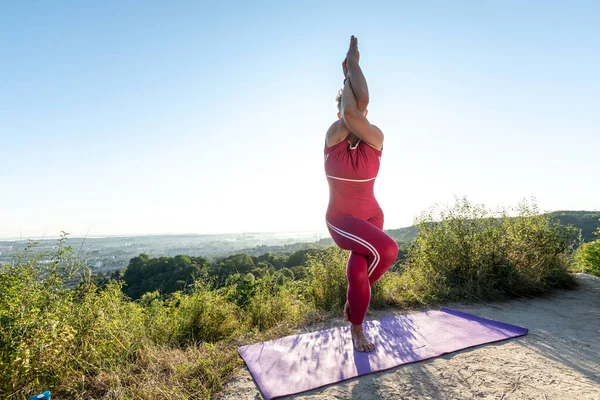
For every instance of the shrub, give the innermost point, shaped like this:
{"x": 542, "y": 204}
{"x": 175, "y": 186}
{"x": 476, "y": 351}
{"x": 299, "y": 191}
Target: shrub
{"x": 466, "y": 251}
{"x": 204, "y": 315}
{"x": 587, "y": 258}
{"x": 50, "y": 334}
{"x": 109, "y": 327}
{"x": 274, "y": 303}
{"x": 327, "y": 278}
{"x": 540, "y": 252}
{"x": 393, "y": 290}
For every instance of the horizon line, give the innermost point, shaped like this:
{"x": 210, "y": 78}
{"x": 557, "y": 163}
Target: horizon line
{"x": 124, "y": 235}
{"x": 116, "y": 235}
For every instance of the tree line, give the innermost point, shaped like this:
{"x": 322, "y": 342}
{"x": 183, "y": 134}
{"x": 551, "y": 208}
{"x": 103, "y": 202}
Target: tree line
{"x": 170, "y": 274}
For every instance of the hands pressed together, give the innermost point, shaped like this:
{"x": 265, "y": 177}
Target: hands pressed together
{"x": 352, "y": 56}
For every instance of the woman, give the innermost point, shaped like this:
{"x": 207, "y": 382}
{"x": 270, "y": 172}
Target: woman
{"x": 355, "y": 221}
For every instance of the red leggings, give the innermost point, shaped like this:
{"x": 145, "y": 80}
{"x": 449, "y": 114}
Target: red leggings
{"x": 372, "y": 253}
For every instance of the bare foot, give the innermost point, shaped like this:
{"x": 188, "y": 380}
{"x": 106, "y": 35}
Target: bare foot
{"x": 347, "y": 312}
{"x": 361, "y": 343}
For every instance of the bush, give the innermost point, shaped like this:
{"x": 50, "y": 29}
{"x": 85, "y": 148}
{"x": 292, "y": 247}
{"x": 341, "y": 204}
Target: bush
{"x": 327, "y": 278}
{"x": 467, "y": 251}
{"x": 274, "y": 304}
{"x": 109, "y": 327}
{"x": 540, "y": 252}
{"x": 51, "y": 335}
{"x": 392, "y": 290}
{"x": 240, "y": 288}
{"x": 204, "y": 315}
{"x": 587, "y": 258}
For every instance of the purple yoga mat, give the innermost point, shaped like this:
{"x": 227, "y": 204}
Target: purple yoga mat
{"x": 294, "y": 364}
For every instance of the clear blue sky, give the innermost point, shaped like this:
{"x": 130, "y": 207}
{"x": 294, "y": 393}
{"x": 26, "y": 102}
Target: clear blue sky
{"x": 179, "y": 117}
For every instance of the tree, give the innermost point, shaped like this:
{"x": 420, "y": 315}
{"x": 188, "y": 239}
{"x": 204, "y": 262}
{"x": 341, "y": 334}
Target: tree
{"x": 165, "y": 274}
{"x": 299, "y": 257}
{"x": 276, "y": 261}
{"x": 287, "y": 273}
{"x": 117, "y": 275}
{"x": 241, "y": 288}
{"x": 237, "y": 263}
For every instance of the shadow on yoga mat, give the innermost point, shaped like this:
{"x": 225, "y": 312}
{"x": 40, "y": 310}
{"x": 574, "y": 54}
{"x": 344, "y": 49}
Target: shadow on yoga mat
{"x": 297, "y": 363}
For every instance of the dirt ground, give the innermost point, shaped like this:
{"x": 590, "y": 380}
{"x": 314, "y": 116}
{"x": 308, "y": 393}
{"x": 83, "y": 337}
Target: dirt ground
{"x": 558, "y": 359}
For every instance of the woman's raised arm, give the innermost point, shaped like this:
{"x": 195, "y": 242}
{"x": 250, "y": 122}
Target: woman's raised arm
{"x": 354, "y": 72}
{"x": 356, "y": 120}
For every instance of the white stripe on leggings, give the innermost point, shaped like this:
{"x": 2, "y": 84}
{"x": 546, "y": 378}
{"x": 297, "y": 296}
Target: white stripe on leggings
{"x": 361, "y": 241}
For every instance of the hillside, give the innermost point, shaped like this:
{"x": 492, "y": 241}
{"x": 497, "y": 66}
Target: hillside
{"x": 587, "y": 221}
{"x": 178, "y": 338}
{"x": 403, "y": 235}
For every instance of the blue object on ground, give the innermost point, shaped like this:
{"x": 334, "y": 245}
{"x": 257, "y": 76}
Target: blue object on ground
{"x": 41, "y": 396}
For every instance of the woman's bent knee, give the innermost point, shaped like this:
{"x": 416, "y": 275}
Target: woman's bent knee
{"x": 389, "y": 253}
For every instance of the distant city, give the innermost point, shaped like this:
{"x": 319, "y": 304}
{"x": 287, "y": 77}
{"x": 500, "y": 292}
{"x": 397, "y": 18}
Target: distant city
{"x": 105, "y": 254}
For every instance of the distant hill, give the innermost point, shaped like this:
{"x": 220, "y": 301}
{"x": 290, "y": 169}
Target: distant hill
{"x": 587, "y": 221}
{"x": 403, "y": 235}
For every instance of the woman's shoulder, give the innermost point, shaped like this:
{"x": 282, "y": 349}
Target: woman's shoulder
{"x": 337, "y": 133}
{"x": 333, "y": 143}
{"x": 371, "y": 148}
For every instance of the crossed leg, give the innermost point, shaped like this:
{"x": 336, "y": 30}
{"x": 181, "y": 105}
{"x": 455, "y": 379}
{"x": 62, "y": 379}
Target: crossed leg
{"x": 372, "y": 253}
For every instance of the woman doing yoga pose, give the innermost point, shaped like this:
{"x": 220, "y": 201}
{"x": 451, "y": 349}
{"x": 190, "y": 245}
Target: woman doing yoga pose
{"x": 353, "y": 150}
